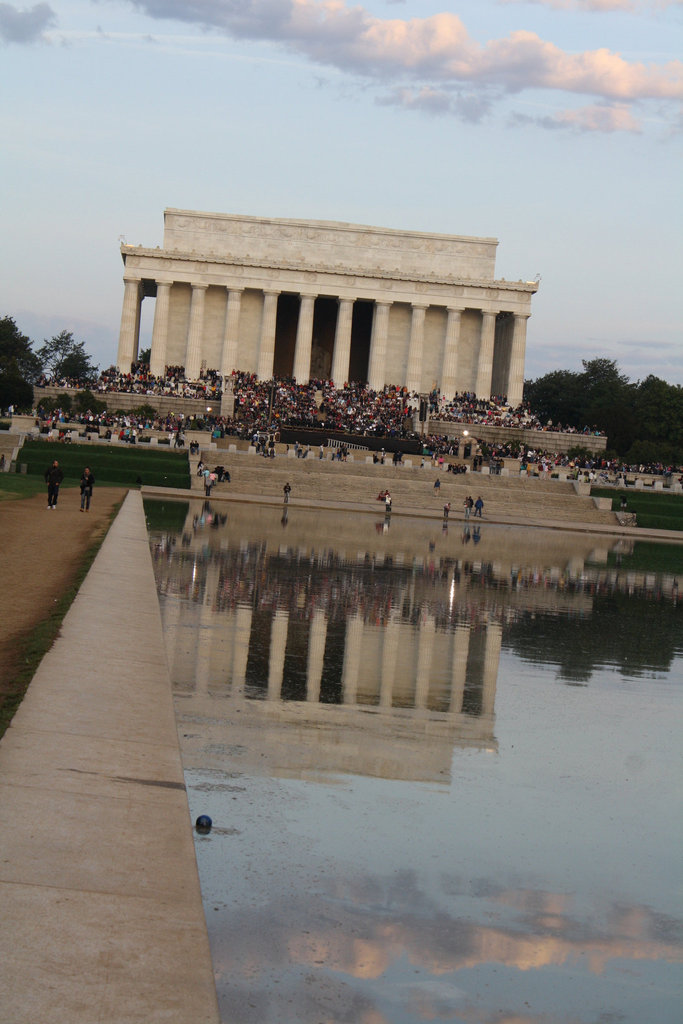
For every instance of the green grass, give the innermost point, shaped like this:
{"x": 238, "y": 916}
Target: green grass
{"x": 655, "y": 510}
{"x": 127, "y": 465}
{"x": 34, "y": 645}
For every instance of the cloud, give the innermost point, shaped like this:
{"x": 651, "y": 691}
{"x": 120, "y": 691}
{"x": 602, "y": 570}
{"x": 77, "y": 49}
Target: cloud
{"x": 437, "y": 52}
{"x": 25, "y": 25}
{"x": 467, "y": 106}
{"x": 594, "y": 118}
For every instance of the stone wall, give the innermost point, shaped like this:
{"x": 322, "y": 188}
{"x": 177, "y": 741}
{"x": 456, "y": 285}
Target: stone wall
{"x": 165, "y": 404}
{"x": 538, "y": 440}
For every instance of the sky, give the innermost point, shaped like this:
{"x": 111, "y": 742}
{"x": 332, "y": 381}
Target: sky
{"x": 554, "y": 126}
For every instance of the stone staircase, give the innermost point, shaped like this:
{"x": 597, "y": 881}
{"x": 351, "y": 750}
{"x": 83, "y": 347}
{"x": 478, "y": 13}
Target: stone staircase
{"x": 411, "y": 487}
{"x": 8, "y": 444}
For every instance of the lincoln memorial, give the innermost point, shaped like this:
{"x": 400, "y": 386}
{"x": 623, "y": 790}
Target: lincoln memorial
{"x": 327, "y": 300}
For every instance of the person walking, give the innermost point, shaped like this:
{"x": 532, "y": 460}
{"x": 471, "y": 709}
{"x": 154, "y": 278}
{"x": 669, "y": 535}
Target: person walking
{"x": 387, "y": 503}
{"x": 478, "y": 506}
{"x": 446, "y": 510}
{"x": 468, "y": 504}
{"x": 437, "y": 485}
{"x": 87, "y": 483}
{"x": 53, "y": 478}
{"x": 286, "y": 489}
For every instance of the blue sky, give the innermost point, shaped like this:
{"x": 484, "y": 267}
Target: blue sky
{"x": 554, "y": 126}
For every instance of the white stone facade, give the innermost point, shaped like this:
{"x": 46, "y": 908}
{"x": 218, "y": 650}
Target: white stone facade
{"x": 320, "y": 299}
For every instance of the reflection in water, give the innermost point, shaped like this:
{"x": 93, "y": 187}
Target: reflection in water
{"x": 386, "y": 848}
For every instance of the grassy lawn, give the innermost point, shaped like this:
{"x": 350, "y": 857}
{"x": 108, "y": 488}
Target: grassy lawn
{"x": 655, "y": 510}
{"x": 123, "y": 465}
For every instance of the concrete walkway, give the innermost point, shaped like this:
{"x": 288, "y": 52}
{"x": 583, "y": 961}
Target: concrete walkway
{"x": 100, "y": 905}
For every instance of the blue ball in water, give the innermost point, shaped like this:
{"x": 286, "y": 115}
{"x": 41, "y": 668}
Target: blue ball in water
{"x": 203, "y": 824}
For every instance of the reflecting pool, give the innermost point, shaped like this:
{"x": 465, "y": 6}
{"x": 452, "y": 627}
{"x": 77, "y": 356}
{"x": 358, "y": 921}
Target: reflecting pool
{"x": 443, "y": 765}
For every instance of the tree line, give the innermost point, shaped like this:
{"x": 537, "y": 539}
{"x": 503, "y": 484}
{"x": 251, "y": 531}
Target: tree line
{"x": 643, "y": 421}
{"x": 21, "y": 366}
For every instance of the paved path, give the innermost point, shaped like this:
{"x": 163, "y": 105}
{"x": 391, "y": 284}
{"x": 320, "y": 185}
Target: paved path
{"x": 100, "y": 904}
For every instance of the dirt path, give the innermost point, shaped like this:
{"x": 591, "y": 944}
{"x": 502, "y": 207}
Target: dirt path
{"x": 42, "y": 552}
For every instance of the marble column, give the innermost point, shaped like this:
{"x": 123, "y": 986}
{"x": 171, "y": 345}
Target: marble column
{"x": 266, "y": 351}
{"x": 278, "y": 647}
{"x": 415, "y": 349}
{"x": 231, "y": 332}
{"x": 129, "y": 335}
{"x": 449, "y": 367}
{"x": 304, "y": 340}
{"x": 342, "y": 343}
{"x": 157, "y": 362}
{"x": 390, "y": 641}
{"x": 425, "y": 653}
{"x": 193, "y": 357}
{"x": 352, "y": 653}
{"x": 240, "y": 646}
{"x": 516, "y": 373}
{"x": 494, "y": 638}
{"x": 485, "y": 362}
{"x": 461, "y": 646}
{"x": 378, "y": 346}
{"x": 316, "y": 655}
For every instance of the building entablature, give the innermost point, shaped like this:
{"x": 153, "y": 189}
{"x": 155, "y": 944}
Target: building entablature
{"x": 191, "y": 268}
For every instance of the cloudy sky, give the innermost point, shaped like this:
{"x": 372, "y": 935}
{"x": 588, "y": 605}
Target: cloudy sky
{"x": 552, "y": 125}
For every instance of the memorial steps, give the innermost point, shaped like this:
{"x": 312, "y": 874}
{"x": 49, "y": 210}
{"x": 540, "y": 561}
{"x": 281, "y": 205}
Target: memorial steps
{"x": 411, "y": 486}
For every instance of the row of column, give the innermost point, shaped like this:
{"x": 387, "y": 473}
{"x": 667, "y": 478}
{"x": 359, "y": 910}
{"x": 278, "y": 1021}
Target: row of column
{"x": 237, "y": 642}
{"x": 377, "y": 376}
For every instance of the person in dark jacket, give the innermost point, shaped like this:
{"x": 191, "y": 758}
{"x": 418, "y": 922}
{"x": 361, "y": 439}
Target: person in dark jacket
{"x": 53, "y": 478}
{"x": 87, "y": 482}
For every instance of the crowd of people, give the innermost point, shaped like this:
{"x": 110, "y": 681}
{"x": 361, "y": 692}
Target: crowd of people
{"x": 354, "y": 408}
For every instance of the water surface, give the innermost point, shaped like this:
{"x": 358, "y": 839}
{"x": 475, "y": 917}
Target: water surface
{"x": 443, "y": 768}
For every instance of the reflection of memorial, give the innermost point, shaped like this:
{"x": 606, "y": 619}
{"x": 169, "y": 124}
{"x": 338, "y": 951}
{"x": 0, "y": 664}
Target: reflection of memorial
{"x": 385, "y": 648}
{"x": 387, "y": 666}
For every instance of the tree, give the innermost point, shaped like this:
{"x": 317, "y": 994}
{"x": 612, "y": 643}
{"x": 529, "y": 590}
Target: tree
{"x": 558, "y": 397}
{"x": 16, "y": 355}
{"x": 64, "y": 357}
{"x": 145, "y": 356}
{"x": 14, "y": 390}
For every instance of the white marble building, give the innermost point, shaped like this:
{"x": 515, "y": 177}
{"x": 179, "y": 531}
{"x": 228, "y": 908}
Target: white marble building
{"x": 330, "y": 300}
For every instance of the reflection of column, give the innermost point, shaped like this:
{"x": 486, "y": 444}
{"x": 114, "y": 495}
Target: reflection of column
{"x": 389, "y": 659}
{"x": 157, "y": 359}
{"x": 417, "y": 334}
{"x": 425, "y": 653}
{"x": 494, "y": 636}
{"x": 485, "y": 362}
{"x": 240, "y": 645}
{"x": 129, "y": 335}
{"x": 461, "y": 646}
{"x": 278, "y": 646}
{"x": 266, "y": 349}
{"x": 378, "y": 346}
{"x": 352, "y": 652}
{"x": 193, "y": 358}
{"x": 231, "y": 332}
{"x": 304, "y": 340}
{"x": 205, "y": 632}
{"x": 449, "y": 367}
{"x": 515, "y": 384}
{"x": 342, "y": 343}
{"x": 316, "y": 655}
